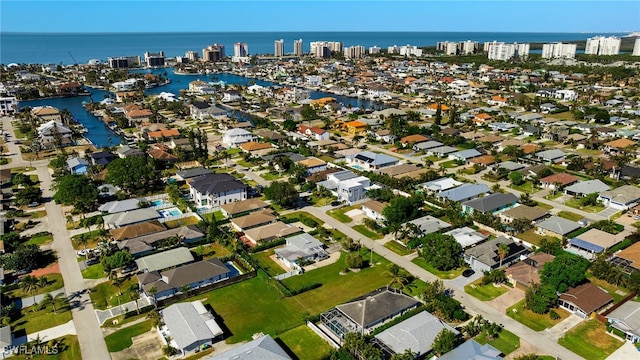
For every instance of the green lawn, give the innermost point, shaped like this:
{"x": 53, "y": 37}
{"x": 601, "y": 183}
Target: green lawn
{"x": 300, "y": 215}
{"x": 68, "y": 349}
{"x": 537, "y": 322}
{"x": 263, "y": 258}
{"x": 484, "y": 292}
{"x": 121, "y": 339}
{"x": 569, "y": 215}
{"x": 448, "y": 164}
{"x": 245, "y": 163}
{"x": 211, "y": 250}
{"x": 507, "y": 342}
{"x": 93, "y": 272}
{"x": 531, "y": 237}
{"x": 34, "y": 321}
{"x": 191, "y": 220}
{"x": 545, "y": 206}
{"x": 575, "y": 203}
{"x": 305, "y": 344}
{"x": 447, "y": 275}
{"x": 610, "y": 288}
{"x": 105, "y": 295}
{"x": 590, "y": 341}
{"x": 526, "y": 187}
{"x": 553, "y": 196}
{"x": 339, "y": 214}
{"x": 41, "y": 239}
{"x": 94, "y": 237}
{"x": 218, "y": 215}
{"x": 270, "y": 176}
{"x": 54, "y": 282}
{"x": 367, "y": 232}
{"x": 397, "y": 248}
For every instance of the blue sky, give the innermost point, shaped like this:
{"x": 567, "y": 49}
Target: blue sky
{"x": 307, "y": 15}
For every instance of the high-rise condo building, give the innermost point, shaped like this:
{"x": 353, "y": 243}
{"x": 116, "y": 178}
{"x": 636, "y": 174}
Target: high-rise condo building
{"x": 559, "y": 50}
{"x": 374, "y": 50}
{"x": 297, "y": 47}
{"x": 123, "y": 62}
{"x": 192, "y": 56}
{"x": 636, "y": 48}
{"x": 323, "y": 49}
{"x": 154, "y": 60}
{"x": 503, "y": 51}
{"x": 600, "y": 45}
{"x": 213, "y": 53}
{"x": 240, "y": 49}
{"x": 354, "y": 52}
{"x": 278, "y": 48}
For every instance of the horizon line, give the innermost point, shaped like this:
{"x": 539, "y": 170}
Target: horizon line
{"x": 316, "y": 31}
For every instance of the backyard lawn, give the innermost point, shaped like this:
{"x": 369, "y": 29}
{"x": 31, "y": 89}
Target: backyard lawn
{"x": 484, "y": 292}
{"x": 54, "y": 282}
{"x": 531, "y": 237}
{"x": 105, "y": 295}
{"x": 447, "y": 275}
{"x": 590, "y": 341}
{"x": 537, "y": 322}
{"x": 305, "y": 344}
{"x": 448, "y": 164}
{"x": 569, "y": 215}
{"x": 94, "y": 272}
{"x": 367, "y": 232}
{"x": 264, "y": 260}
{"x": 616, "y": 292}
{"x": 397, "y": 248}
{"x": 121, "y": 339}
{"x": 507, "y": 342}
{"x": 208, "y": 251}
{"x": 191, "y": 220}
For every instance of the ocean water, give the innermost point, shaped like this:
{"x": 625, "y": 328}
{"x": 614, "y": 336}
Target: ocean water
{"x": 67, "y": 48}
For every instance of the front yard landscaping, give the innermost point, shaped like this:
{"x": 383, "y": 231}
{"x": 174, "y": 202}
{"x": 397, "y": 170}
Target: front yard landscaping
{"x": 447, "y": 275}
{"x": 575, "y": 203}
{"x": 41, "y": 238}
{"x": 507, "y": 342}
{"x": 589, "y": 340}
{"x": 339, "y": 214}
{"x": 537, "y": 322}
{"x": 526, "y": 187}
{"x": 68, "y": 349}
{"x": 32, "y": 321}
{"x": 54, "y": 282}
{"x": 305, "y": 344}
{"x": 397, "y": 248}
{"x": 122, "y": 339}
{"x": 93, "y": 272}
{"x": 570, "y": 216}
{"x": 367, "y": 232}
{"x": 484, "y": 292}
{"x": 105, "y": 295}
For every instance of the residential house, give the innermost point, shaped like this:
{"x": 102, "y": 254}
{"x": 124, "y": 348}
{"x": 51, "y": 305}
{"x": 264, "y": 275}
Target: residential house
{"x": 628, "y": 259}
{"x": 498, "y": 101}
{"x": 130, "y": 217}
{"x": 201, "y": 110}
{"x": 46, "y": 114}
{"x": 52, "y": 134}
{"x": 231, "y": 96}
{"x": 592, "y": 242}
{"x": 385, "y": 136}
{"x": 365, "y": 313}
{"x": 511, "y": 166}
{"x": 78, "y": 166}
{"x": 165, "y": 259}
{"x": 533, "y": 214}
{"x": 427, "y": 224}
{"x": 482, "y": 118}
{"x": 529, "y": 118}
{"x": 502, "y": 126}
{"x": 483, "y": 160}
{"x": 527, "y": 272}
{"x": 466, "y": 236}
{"x": 557, "y": 227}
{"x": 619, "y": 145}
{"x": 270, "y": 135}
{"x": 347, "y": 186}
{"x": 485, "y": 256}
{"x": 584, "y": 188}
{"x": 413, "y": 139}
{"x": 194, "y": 275}
{"x": 464, "y": 192}
{"x": 125, "y": 151}
{"x": 471, "y": 349}
{"x": 136, "y": 230}
{"x": 190, "y": 326}
{"x": 490, "y": 204}
{"x": 621, "y": 198}
{"x": 425, "y": 146}
{"x": 313, "y": 132}
{"x": 254, "y": 147}
{"x": 441, "y": 184}
{"x": 441, "y": 151}
{"x": 583, "y": 300}
{"x": 187, "y": 174}
{"x": 558, "y": 181}
{"x": 301, "y": 247}
{"x": 252, "y": 220}
{"x": 551, "y": 156}
{"x": 354, "y": 127}
{"x": 117, "y": 206}
{"x": 102, "y": 158}
{"x": 626, "y": 318}
{"x": 261, "y": 348}
{"x": 465, "y": 155}
{"x": 235, "y": 137}
{"x": 266, "y": 233}
{"x": 416, "y": 334}
{"x": 69, "y": 89}
{"x": 243, "y": 207}
{"x": 144, "y": 244}
{"x": 373, "y": 210}
{"x": 313, "y": 165}
{"x": 370, "y": 161}
{"x": 213, "y": 190}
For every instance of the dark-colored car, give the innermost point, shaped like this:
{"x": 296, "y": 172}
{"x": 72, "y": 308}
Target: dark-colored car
{"x": 468, "y": 273}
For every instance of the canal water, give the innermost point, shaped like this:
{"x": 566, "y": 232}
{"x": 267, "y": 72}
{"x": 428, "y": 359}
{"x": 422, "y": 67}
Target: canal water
{"x": 101, "y": 135}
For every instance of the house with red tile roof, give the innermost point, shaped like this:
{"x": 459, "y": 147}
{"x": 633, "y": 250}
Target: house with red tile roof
{"x": 558, "y": 181}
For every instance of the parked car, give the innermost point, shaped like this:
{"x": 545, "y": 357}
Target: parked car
{"x": 92, "y": 261}
{"x": 128, "y": 269}
{"x": 34, "y": 204}
{"x": 468, "y": 273}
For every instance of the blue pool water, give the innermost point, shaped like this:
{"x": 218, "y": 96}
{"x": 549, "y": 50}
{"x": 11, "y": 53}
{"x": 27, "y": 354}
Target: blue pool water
{"x": 170, "y": 212}
{"x": 357, "y": 167}
{"x": 157, "y": 202}
{"x": 233, "y": 269}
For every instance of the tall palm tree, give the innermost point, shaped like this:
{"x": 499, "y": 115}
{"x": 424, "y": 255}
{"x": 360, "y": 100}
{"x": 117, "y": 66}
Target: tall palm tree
{"x": 503, "y": 251}
{"x": 397, "y": 276}
{"x": 29, "y": 284}
{"x": 134, "y": 293}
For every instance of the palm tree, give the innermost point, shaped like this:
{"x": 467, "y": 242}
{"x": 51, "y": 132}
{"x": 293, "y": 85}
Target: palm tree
{"x": 154, "y": 292}
{"x": 61, "y": 299}
{"x": 29, "y": 284}
{"x": 503, "y": 251}
{"x": 155, "y": 318}
{"x": 134, "y": 293}
{"x": 397, "y": 276}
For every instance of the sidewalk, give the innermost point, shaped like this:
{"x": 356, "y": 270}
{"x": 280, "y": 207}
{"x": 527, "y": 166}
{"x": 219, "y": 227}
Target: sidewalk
{"x": 31, "y": 300}
{"x": 104, "y": 315}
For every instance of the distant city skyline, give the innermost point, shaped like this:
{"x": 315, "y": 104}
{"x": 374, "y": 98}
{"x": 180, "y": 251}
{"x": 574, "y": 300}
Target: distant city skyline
{"x": 290, "y": 16}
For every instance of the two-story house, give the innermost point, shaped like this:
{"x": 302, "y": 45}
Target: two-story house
{"x": 213, "y": 190}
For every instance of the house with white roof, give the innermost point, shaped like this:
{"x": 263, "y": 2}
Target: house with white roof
{"x": 466, "y": 236}
{"x": 347, "y": 186}
{"x": 51, "y": 132}
{"x": 626, "y": 318}
{"x": 262, "y": 348}
{"x": 465, "y": 155}
{"x": 236, "y": 136}
{"x": 622, "y": 198}
{"x": 551, "y": 156}
{"x": 189, "y": 326}
{"x": 441, "y": 184}
{"x": 370, "y": 161}
{"x": 557, "y": 226}
{"x": 303, "y": 246}
{"x": 584, "y": 188}
{"x": 464, "y": 192}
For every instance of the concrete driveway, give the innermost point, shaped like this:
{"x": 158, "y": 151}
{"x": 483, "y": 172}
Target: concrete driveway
{"x": 504, "y": 301}
{"x": 147, "y": 346}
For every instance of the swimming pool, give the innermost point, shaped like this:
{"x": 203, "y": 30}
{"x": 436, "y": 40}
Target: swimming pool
{"x": 157, "y": 202}
{"x": 174, "y": 211}
{"x": 234, "y": 271}
{"x": 357, "y": 167}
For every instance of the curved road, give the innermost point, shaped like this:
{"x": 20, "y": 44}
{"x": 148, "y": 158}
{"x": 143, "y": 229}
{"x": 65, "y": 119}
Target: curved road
{"x": 90, "y": 335}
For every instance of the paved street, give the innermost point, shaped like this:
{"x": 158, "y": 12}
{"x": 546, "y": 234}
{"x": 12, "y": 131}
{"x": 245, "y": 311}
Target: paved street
{"x": 92, "y": 344}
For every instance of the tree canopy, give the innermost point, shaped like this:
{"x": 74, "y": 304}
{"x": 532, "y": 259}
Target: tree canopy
{"x": 440, "y": 250}
{"x": 566, "y": 270}
{"x": 77, "y": 190}
{"x": 402, "y": 209}
{"x": 132, "y": 173}
{"x": 282, "y": 193}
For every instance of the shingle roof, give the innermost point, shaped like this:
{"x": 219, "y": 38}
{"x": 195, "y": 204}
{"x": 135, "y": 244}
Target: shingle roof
{"x": 525, "y": 212}
{"x": 135, "y": 230}
{"x": 189, "y": 323}
{"x": 588, "y": 187}
{"x": 487, "y": 252}
{"x": 117, "y": 206}
{"x": 216, "y": 183}
{"x": 587, "y": 297}
{"x": 561, "y": 178}
{"x": 254, "y": 219}
{"x": 375, "y": 306}
{"x": 559, "y": 225}
{"x": 627, "y": 316}
{"x": 238, "y": 207}
{"x": 624, "y": 194}
{"x": 165, "y": 259}
{"x": 130, "y": 217}
{"x": 464, "y": 192}
{"x": 264, "y": 348}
